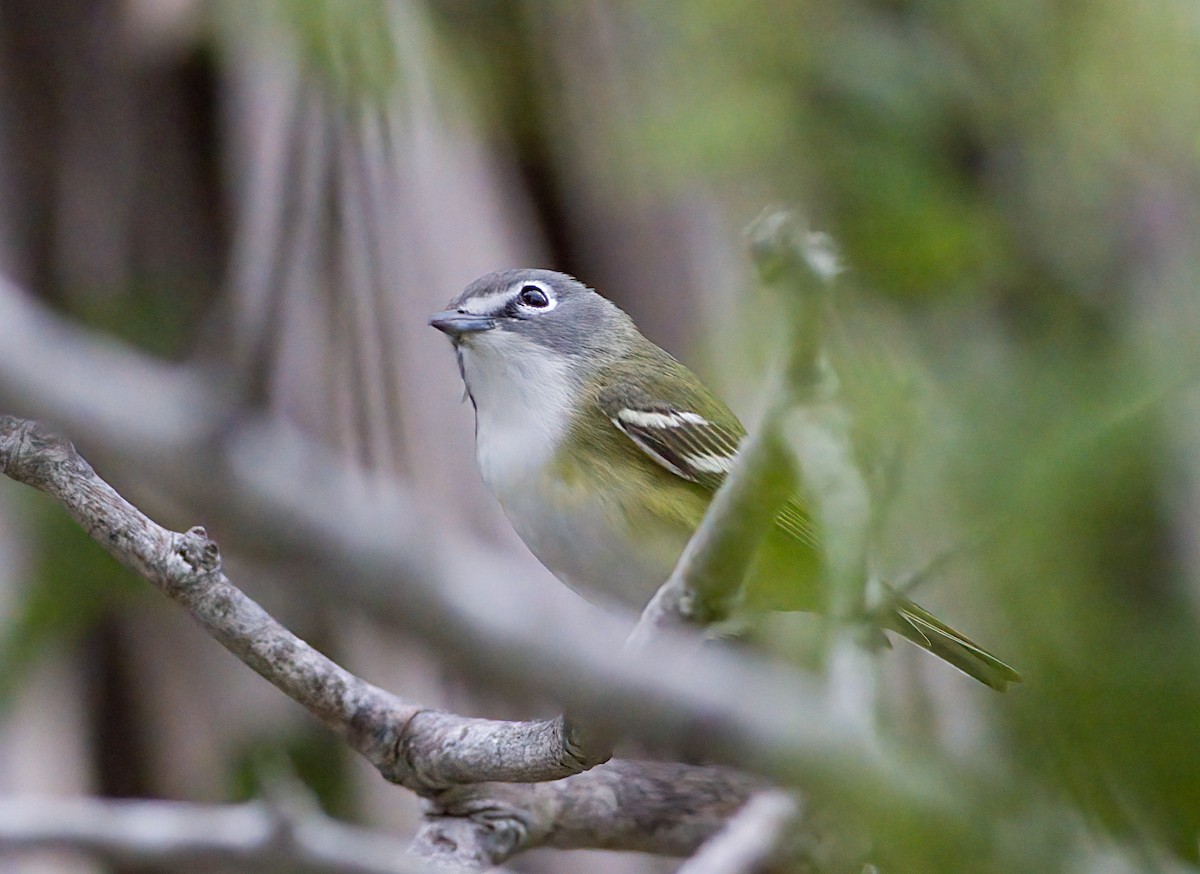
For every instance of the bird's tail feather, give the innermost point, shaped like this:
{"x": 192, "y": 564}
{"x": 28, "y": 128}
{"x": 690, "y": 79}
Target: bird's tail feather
{"x": 918, "y": 625}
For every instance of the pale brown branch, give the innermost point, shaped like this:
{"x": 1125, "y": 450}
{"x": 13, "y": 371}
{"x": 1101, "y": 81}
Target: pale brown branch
{"x": 654, "y": 807}
{"x": 187, "y": 568}
{"x": 752, "y": 838}
{"x": 420, "y": 749}
{"x": 249, "y": 836}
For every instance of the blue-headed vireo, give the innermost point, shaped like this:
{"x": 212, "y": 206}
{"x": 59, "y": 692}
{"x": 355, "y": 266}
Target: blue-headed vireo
{"x": 604, "y": 451}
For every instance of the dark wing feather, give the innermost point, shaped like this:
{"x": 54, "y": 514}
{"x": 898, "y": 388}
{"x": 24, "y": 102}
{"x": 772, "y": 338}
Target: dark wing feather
{"x": 682, "y": 441}
{"x": 697, "y": 447}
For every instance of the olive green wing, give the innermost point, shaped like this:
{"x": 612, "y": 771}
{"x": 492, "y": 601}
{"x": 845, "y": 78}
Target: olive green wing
{"x": 696, "y": 437}
{"x": 693, "y": 435}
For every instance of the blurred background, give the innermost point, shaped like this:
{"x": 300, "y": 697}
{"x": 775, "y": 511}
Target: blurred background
{"x": 291, "y": 187}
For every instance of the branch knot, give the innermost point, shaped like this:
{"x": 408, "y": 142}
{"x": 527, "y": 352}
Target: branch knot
{"x": 198, "y": 551}
{"x": 467, "y": 827}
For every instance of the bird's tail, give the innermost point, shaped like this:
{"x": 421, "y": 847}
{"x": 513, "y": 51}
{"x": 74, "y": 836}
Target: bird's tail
{"x": 917, "y": 624}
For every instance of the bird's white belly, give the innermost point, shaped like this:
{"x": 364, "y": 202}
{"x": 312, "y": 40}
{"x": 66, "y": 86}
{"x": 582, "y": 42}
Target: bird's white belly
{"x": 588, "y": 544}
{"x": 523, "y": 406}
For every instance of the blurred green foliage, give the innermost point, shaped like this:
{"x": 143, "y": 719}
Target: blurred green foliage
{"x": 1014, "y": 185}
{"x": 953, "y": 149}
{"x": 1014, "y": 188}
{"x": 73, "y": 585}
{"x": 159, "y": 314}
{"x": 351, "y": 45}
{"x": 265, "y": 765}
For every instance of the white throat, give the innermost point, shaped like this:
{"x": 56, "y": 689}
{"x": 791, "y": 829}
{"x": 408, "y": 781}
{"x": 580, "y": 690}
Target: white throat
{"x": 523, "y": 404}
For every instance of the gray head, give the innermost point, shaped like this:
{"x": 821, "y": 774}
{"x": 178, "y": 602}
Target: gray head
{"x": 541, "y": 307}
{"x": 526, "y": 339}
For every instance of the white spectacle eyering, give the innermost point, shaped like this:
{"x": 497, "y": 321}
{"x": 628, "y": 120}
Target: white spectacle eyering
{"x": 491, "y": 304}
{"x": 551, "y": 300}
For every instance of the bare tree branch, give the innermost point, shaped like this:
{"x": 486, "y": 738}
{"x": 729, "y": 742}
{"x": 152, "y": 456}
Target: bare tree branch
{"x": 187, "y": 568}
{"x": 175, "y": 833}
{"x": 432, "y": 752}
{"x": 750, "y": 840}
{"x": 654, "y": 807}
{"x": 716, "y": 558}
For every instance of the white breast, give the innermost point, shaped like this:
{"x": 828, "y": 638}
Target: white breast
{"x": 523, "y": 406}
{"x": 587, "y": 542}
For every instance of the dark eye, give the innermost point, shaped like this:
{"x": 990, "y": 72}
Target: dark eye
{"x": 532, "y": 296}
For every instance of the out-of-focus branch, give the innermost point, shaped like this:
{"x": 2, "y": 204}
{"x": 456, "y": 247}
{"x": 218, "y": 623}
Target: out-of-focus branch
{"x": 710, "y": 571}
{"x": 801, "y": 265}
{"x": 804, "y": 263}
{"x": 718, "y": 554}
{"x": 123, "y": 397}
{"x": 716, "y": 558}
{"x": 750, "y": 840}
{"x": 180, "y": 835}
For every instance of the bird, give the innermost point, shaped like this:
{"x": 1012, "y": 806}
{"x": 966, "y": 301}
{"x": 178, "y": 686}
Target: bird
{"x": 604, "y": 451}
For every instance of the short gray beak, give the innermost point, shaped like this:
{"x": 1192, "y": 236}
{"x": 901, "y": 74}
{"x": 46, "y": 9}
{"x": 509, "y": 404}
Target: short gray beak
{"x": 456, "y": 324}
